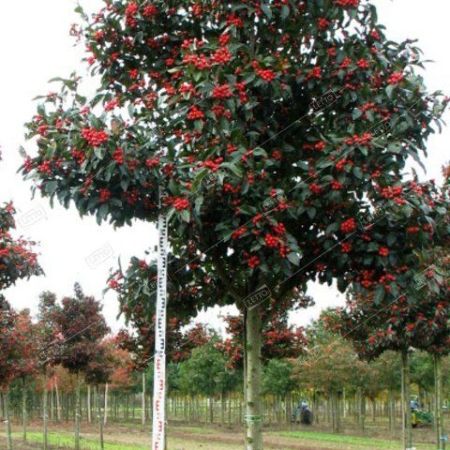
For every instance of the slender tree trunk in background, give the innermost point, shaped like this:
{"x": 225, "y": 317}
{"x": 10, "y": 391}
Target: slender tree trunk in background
{"x": 7, "y": 421}
{"x": 362, "y": 410}
{"x": 24, "y": 410}
{"x": 222, "y": 409}
{"x": 105, "y": 414}
{"x": 99, "y": 417}
{"x": 438, "y": 402}
{"x": 344, "y": 409}
{"x": 58, "y": 402}
{"x": 144, "y": 415}
{"x": 253, "y": 418}
{"x": 88, "y": 401}
{"x": 406, "y": 409}
{"x": 44, "y": 411}
{"x": 391, "y": 408}
{"x": 52, "y": 405}
{"x": 77, "y": 412}
{"x": 211, "y": 410}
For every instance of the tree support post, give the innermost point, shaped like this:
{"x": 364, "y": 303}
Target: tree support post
{"x": 159, "y": 386}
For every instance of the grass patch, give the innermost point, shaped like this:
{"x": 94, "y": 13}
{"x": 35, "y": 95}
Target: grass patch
{"x": 349, "y": 441}
{"x": 67, "y": 440}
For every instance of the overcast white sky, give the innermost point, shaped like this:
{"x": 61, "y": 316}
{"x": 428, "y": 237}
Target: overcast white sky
{"x": 35, "y": 46}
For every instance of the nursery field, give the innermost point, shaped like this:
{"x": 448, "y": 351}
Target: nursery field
{"x": 135, "y": 437}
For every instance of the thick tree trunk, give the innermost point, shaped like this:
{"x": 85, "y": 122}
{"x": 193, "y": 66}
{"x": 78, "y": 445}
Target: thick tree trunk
{"x": 44, "y": 411}
{"x": 406, "y": 409}
{"x": 77, "y": 412}
{"x": 24, "y": 409}
{"x": 144, "y": 415}
{"x": 7, "y": 421}
{"x": 438, "y": 402}
{"x": 253, "y": 413}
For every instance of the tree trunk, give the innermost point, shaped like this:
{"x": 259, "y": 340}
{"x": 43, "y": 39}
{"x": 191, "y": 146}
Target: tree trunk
{"x": 362, "y": 410}
{"x": 406, "y": 409}
{"x": 253, "y": 417}
{"x": 58, "y": 402}
{"x": 77, "y": 412}
{"x": 211, "y": 410}
{"x": 7, "y": 421}
{"x": 144, "y": 415}
{"x": 89, "y": 412}
{"x": 438, "y": 402}
{"x": 391, "y": 406}
{"x": 24, "y": 409}
{"x": 100, "y": 418}
{"x": 105, "y": 414}
{"x": 44, "y": 411}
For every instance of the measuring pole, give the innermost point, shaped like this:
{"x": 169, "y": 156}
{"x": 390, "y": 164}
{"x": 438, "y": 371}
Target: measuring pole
{"x": 159, "y": 386}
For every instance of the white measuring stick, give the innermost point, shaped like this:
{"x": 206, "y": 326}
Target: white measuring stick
{"x": 159, "y": 386}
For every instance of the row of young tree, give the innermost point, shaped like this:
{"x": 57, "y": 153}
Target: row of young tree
{"x": 275, "y": 136}
{"x": 64, "y": 367}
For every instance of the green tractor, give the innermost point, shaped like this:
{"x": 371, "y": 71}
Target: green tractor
{"x": 419, "y": 417}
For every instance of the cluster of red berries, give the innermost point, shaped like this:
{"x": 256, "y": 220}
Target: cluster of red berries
{"x": 112, "y": 104}
{"x": 279, "y": 228}
{"x": 347, "y": 3}
{"x": 78, "y": 155}
{"x": 221, "y": 56}
{"x": 213, "y": 165}
{"x": 363, "y": 63}
{"x": 195, "y": 113}
{"x": 315, "y": 72}
{"x": 315, "y": 188}
{"x": 336, "y": 185}
{"x": 340, "y": 165}
{"x": 45, "y": 168}
{"x": 105, "y": 195}
{"x": 323, "y": 23}
{"x": 238, "y": 233}
{"x": 152, "y": 162}
{"x": 395, "y": 78}
{"x": 391, "y": 192}
{"x": 383, "y": 251}
{"x": 346, "y": 247}
{"x": 271, "y": 240}
{"x": 348, "y": 226}
{"x": 150, "y": 11}
{"x": 364, "y": 139}
{"x": 253, "y": 262}
{"x": 118, "y": 156}
{"x": 267, "y": 75}
{"x": 222, "y": 92}
{"x": 94, "y": 137}
{"x": 181, "y": 203}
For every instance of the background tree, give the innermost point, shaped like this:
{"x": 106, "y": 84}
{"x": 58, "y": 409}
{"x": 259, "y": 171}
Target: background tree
{"x": 81, "y": 326}
{"x": 205, "y": 373}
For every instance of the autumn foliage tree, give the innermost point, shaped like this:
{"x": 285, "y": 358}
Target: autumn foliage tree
{"x": 81, "y": 327}
{"x": 225, "y": 106}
